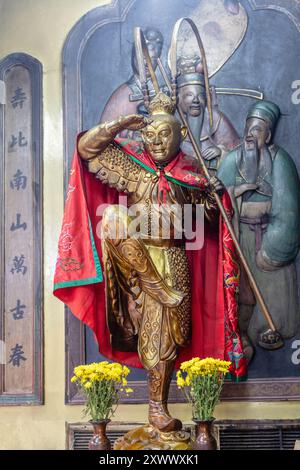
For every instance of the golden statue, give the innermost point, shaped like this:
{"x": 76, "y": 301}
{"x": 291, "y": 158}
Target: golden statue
{"x": 153, "y": 295}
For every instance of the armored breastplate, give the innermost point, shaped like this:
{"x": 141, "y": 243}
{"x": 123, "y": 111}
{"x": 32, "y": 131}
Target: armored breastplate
{"x": 160, "y": 222}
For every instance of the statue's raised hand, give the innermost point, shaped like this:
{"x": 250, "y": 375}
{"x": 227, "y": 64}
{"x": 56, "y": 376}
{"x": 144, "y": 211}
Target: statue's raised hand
{"x": 99, "y": 137}
{"x": 133, "y": 122}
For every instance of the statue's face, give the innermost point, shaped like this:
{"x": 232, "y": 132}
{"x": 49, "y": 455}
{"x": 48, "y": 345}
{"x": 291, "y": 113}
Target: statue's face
{"x": 162, "y": 137}
{"x": 191, "y": 99}
{"x": 257, "y": 130}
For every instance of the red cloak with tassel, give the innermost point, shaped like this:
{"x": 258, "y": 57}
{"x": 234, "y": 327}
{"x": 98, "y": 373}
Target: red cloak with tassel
{"x": 214, "y": 269}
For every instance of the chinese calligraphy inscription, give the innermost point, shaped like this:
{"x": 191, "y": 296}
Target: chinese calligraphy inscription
{"x": 21, "y": 231}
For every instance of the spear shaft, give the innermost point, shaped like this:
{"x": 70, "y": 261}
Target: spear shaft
{"x": 252, "y": 281}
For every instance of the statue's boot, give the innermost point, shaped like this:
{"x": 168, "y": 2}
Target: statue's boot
{"x": 159, "y": 380}
{"x": 247, "y": 347}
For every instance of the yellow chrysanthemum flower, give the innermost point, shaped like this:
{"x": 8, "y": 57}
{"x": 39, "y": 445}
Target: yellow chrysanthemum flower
{"x": 201, "y": 381}
{"x": 188, "y": 380}
{"x": 100, "y": 382}
{"x": 180, "y": 382}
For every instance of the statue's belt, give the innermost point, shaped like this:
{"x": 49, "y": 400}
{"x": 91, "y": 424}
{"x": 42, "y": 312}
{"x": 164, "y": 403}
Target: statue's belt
{"x": 258, "y": 225}
{"x": 164, "y": 242}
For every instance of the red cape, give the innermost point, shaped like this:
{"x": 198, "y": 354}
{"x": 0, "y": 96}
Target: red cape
{"x": 79, "y": 280}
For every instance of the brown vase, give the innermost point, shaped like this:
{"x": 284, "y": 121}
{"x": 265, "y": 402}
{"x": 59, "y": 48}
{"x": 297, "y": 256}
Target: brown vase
{"x": 100, "y": 441}
{"x": 205, "y": 439}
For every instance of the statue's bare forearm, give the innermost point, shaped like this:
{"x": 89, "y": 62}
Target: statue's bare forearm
{"x": 98, "y": 138}
{"x": 94, "y": 141}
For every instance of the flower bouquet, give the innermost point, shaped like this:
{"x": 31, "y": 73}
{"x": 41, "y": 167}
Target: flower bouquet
{"x": 201, "y": 381}
{"x": 103, "y": 385}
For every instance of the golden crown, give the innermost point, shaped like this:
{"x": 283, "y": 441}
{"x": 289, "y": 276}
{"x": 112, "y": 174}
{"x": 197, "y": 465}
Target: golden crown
{"x": 161, "y": 104}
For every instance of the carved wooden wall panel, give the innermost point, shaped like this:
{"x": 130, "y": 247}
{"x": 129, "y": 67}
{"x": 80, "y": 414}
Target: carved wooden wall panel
{"x": 96, "y": 60}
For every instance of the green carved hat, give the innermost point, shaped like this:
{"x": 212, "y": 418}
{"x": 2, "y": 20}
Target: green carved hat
{"x": 265, "y": 110}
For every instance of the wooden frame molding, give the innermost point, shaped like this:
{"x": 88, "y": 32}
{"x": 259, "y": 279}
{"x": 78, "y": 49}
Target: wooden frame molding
{"x": 21, "y": 256}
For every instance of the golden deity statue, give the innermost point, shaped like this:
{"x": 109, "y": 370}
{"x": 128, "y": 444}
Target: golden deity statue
{"x": 147, "y": 277}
